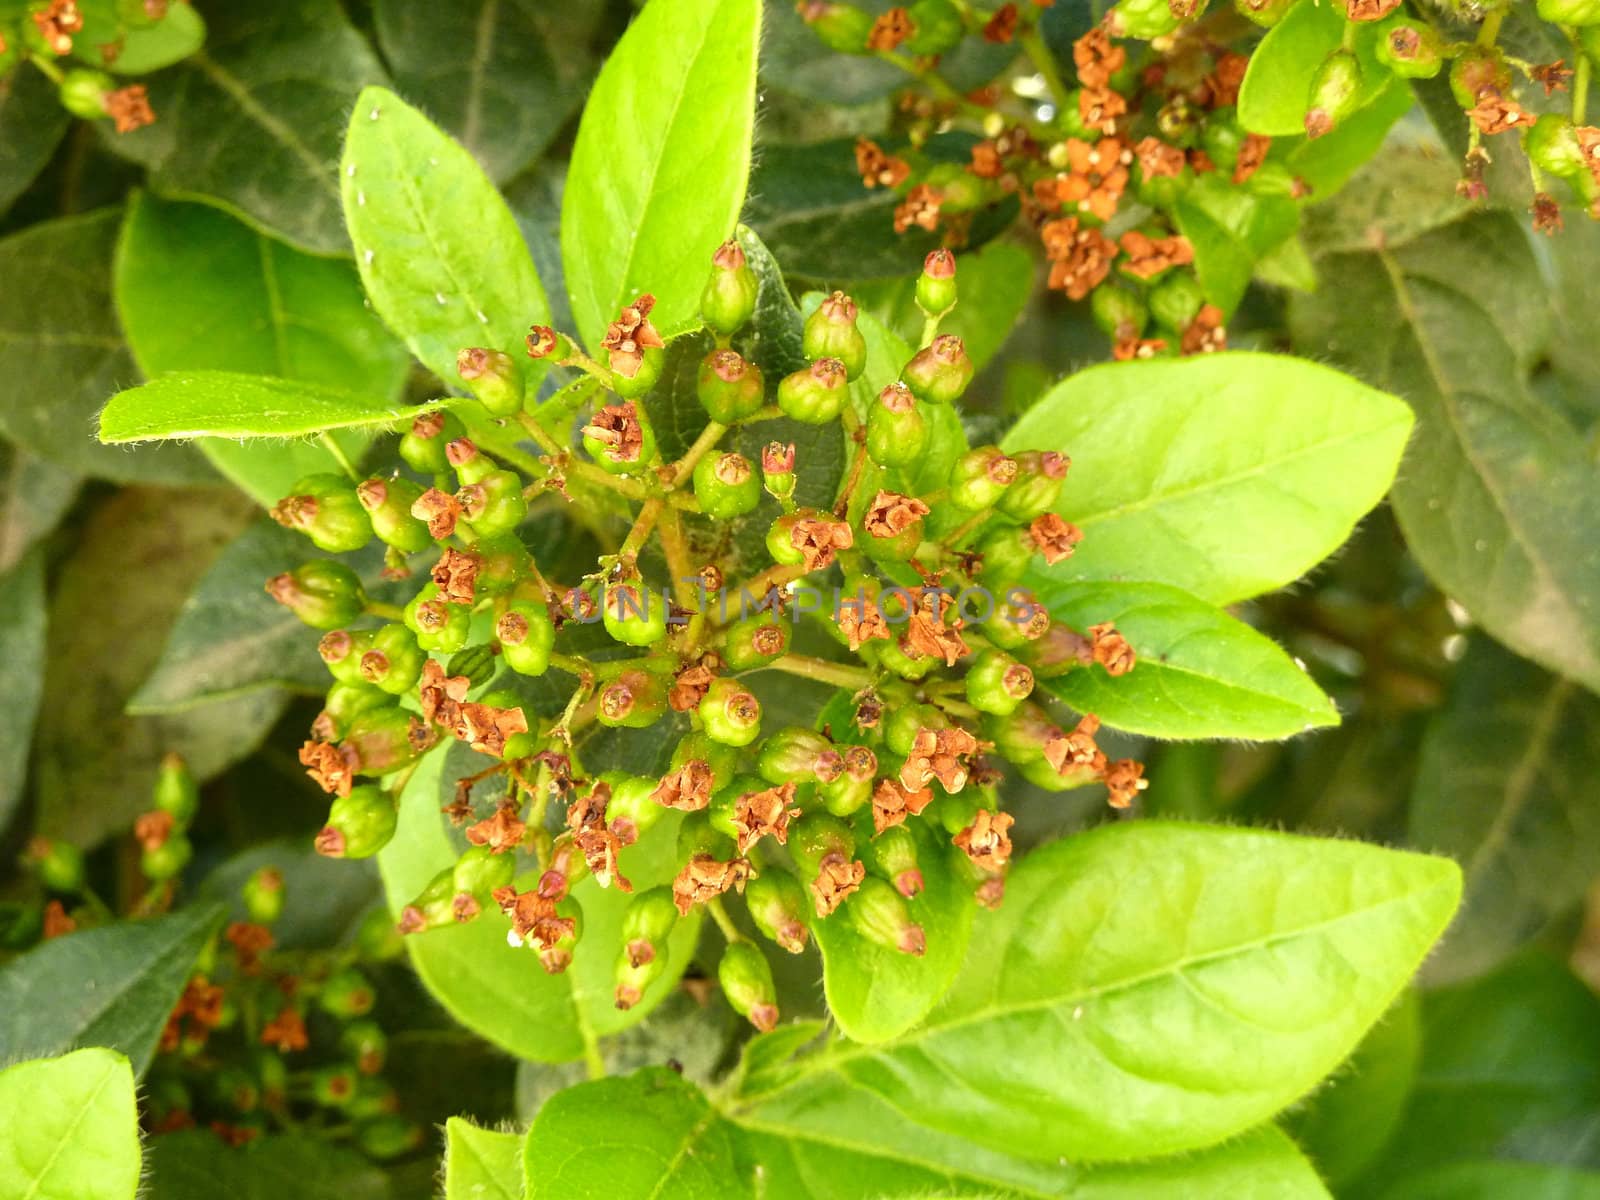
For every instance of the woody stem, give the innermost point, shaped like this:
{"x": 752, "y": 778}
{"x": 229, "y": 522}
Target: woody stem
{"x": 823, "y": 671}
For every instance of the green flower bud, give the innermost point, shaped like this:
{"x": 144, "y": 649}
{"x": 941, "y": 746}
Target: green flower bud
{"x": 503, "y": 560}
{"x": 347, "y": 993}
{"x": 815, "y": 836}
{"x": 1569, "y": 12}
{"x": 936, "y": 286}
{"x": 842, "y": 27}
{"x": 634, "y": 614}
{"x": 1141, "y": 19}
{"x": 697, "y": 747}
{"x": 326, "y": 509}
{"x": 904, "y": 662}
{"x": 1222, "y": 137}
{"x": 388, "y": 1137}
{"x": 776, "y": 901}
{"x": 1412, "y": 49}
{"x": 176, "y": 791}
{"x": 431, "y": 908}
{"x": 526, "y": 635}
{"x": 938, "y": 27}
{"x": 263, "y": 895}
{"x": 897, "y": 432}
{"x": 1019, "y": 618}
{"x": 365, "y": 1044}
{"x": 634, "y": 978}
{"x": 470, "y": 464}
{"x": 730, "y": 388}
{"x": 1037, "y": 487}
{"x": 441, "y": 627}
{"x": 168, "y": 859}
{"x": 1176, "y": 300}
{"x": 941, "y": 372}
{"x": 1006, "y": 552}
{"x": 58, "y": 864}
{"x": 777, "y": 470}
{"x": 894, "y": 854}
{"x": 619, "y": 440}
{"x": 83, "y": 93}
{"x": 852, "y": 789}
{"x": 980, "y": 477}
{"x": 377, "y": 940}
{"x": 1335, "y": 92}
{"x": 479, "y": 871}
{"x": 997, "y": 683}
{"x": 632, "y": 809}
{"x": 359, "y": 825}
{"x": 494, "y": 505}
{"x": 816, "y": 394}
{"x": 746, "y": 981}
{"x": 647, "y": 923}
{"x": 1265, "y": 13}
{"x": 696, "y": 836}
{"x": 423, "y": 445}
{"x": 729, "y": 300}
{"x": 544, "y": 342}
{"x": 755, "y": 641}
{"x": 730, "y": 714}
{"x": 1022, "y": 735}
{"x": 347, "y": 701}
{"x": 879, "y": 914}
{"x": 236, "y": 1089}
{"x": 634, "y": 700}
{"x": 630, "y": 387}
{"x": 905, "y": 721}
{"x": 494, "y": 378}
{"x": 341, "y": 651}
{"x": 797, "y": 755}
{"x": 831, "y": 332}
{"x": 393, "y": 661}
{"x": 1118, "y": 311}
{"x": 726, "y": 485}
{"x": 1552, "y": 146}
{"x": 333, "y": 1087}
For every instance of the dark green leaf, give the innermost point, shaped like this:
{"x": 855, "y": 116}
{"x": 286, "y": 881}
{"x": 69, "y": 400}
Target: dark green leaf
{"x": 1290, "y": 453}
{"x": 195, "y": 1164}
{"x": 1500, "y": 498}
{"x": 199, "y": 291}
{"x": 501, "y": 76}
{"x": 22, "y": 651}
{"x": 658, "y": 171}
{"x": 1277, "y": 86}
{"x": 1266, "y": 957}
{"x": 323, "y": 898}
{"x": 62, "y": 354}
{"x": 480, "y": 1164}
{"x": 253, "y": 121}
{"x": 1498, "y": 1181}
{"x": 31, "y": 123}
{"x": 1231, "y": 230}
{"x": 34, "y": 495}
{"x": 69, "y": 1128}
{"x": 440, "y": 253}
{"x": 1509, "y": 785}
{"x": 112, "y": 986}
{"x": 1200, "y": 672}
{"x": 794, "y": 59}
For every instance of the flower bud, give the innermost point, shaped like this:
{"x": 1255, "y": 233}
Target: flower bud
{"x": 729, "y": 300}
{"x": 1143, "y": 20}
{"x": 777, "y": 470}
{"x": 726, "y": 485}
{"x": 176, "y": 791}
{"x": 480, "y": 870}
{"x": 842, "y": 27}
{"x": 1006, "y": 552}
{"x": 1413, "y": 49}
{"x": 817, "y": 835}
{"x": 936, "y": 286}
{"x": 776, "y": 901}
{"x": 1019, "y": 619}
{"x": 83, "y": 93}
{"x": 544, "y": 342}
{"x": 166, "y": 860}
{"x": 381, "y": 740}
{"x": 905, "y": 721}
{"x": 729, "y": 714}
{"x": 494, "y": 378}
{"x": 938, "y": 28}
{"x": 423, "y": 445}
{"x": 997, "y": 683}
{"x": 1176, "y": 300}
{"x": 365, "y": 1044}
{"x": 263, "y": 895}
{"x": 634, "y": 614}
{"x": 632, "y": 809}
{"x": 941, "y": 372}
{"x": 722, "y": 760}
{"x": 730, "y": 388}
{"x": 347, "y": 993}
{"x": 850, "y": 791}
{"x": 633, "y": 979}
{"x": 797, "y": 755}
{"x": 1118, "y": 311}
{"x": 894, "y": 855}
{"x": 441, "y": 627}
{"x": 1552, "y": 146}
{"x": 1037, "y": 487}
{"x": 470, "y": 464}
{"x": 815, "y": 394}
{"x": 431, "y": 908}
{"x": 326, "y": 509}
{"x": 647, "y": 923}
{"x": 980, "y": 477}
{"x": 58, "y": 864}
{"x": 388, "y": 503}
{"x": 347, "y": 701}
{"x": 322, "y": 594}
{"x": 831, "y": 332}
{"x": 526, "y": 635}
{"x": 636, "y": 699}
{"x": 393, "y": 661}
{"x": 359, "y": 825}
{"x": 1022, "y": 735}
{"x": 494, "y": 505}
{"x": 879, "y": 914}
{"x": 897, "y": 432}
{"x": 475, "y": 663}
{"x": 1335, "y": 92}
{"x": 746, "y": 981}
{"x": 755, "y": 641}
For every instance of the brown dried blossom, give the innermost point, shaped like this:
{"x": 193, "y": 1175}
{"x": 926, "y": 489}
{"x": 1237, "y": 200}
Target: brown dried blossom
{"x": 57, "y": 921}
{"x": 986, "y": 841}
{"x": 1097, "y": 58}
{"x": 1369, "y": 10}
{"x": 617, "y": 428}
{"x": 1100, "y": 108}
{"x": 1222, "y": 85}
{"x": 502, "y": 832}
{"x": 1252, "y": 153}
{"x": 1552, "y": 76}
{"x": 1080, "y": 257}
{"x": 1124, "y": 780}
{"x": 1055, "y": 538}
{"x": 56, "y": 23}
{"x": 439, "y": 509}
{"x": 986, "y": 161}
{"x": 1126, "y": 348}
{"x": 1546, "y": 214}
{"x": 1206, "y": 333}
{"x": 152, "y": 829}
{"x": 1158, "y": 160}
{"x": 704, "y": 877}
{"x": 688, "y": 788}
{"x": 1076, "y": 749}
{"x": 890, "y": 29}
{"x": 877, "y": 168}
{"x": 1111, "y": 649}
{"x": 1148, "y": 256}
{"x": 940, "y": 754}
{"x": 456, "y": 575}
{"x": 689, "y": 687}
{"x": 933, "y": 631}
{"x": 861, "y": 620}
{"x": 890, "y": 514}
{"x": 533, "y": 917}
{"x": 837, "y": 878}
{"x": 1097, "y": 178}
{"x": 757, "y": 814}
{"x": 1002, "y": 27}
{"x": 892, "y": 803}
{"x": 919, "y": 208}
{"x": 1496, "y": 112}
{"x": 629, "y": 336}
{"x": 286, "y": 1032}
{"x": 818, "y": 539}
{"x": 129, "y": 108}
{"x": 331, "y": 767}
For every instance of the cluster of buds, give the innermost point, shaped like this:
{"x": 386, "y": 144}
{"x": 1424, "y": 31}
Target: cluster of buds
{"x": 939, "y": 645}
{"x": 56, "y": 29}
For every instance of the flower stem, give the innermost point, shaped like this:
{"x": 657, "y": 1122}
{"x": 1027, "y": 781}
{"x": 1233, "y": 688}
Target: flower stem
{"x": 336, "y": 452}
{"x": 839, "y": 674}
{"x": 709, "y": 437}
{"x": 719, "y": 914}
{"x": 1045, "y": 62}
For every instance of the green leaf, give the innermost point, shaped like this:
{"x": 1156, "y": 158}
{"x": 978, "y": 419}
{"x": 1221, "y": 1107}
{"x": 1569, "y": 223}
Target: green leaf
{"x": 31, "y": 124}
{"x": 1347, "y": 1124}
{"x": 500, "y": 76}
{"x": 1231, "y": 230}
{"x": 658, "y": 170}
{"x": 62, "y": 354}
{"x": 1496, "y": 1181}
{"x": 1200, "y": 672}
{"x": 1276, "y": 91}
{"x": 440, "y": 253}
{"x": 480, "y": 1164}
{"x": 252, "y": 122}
{"x": 875, "y": 993}
{"x": 1163, "y": 987}
{"x": 197, "y": 290}
{"x": 172, "y": 39}
{"x": 324, "y": 899}
{"x": 1227, "y": 475}
{"x": 1328, "y": 162}
{"x": 69, "y": 1129}
{"x": 111, "y": 986}
{"x": 195, "y": 1164}
{"x": 501, "y": 992}
{"x": 34, "y": 496}
{"x": 1508, "y": 786}
{"x": 189, "y": 404}
{"x": 661, "y": 1140}
{"x": 22, "y": 650}
{"x": 1500, "y": 498}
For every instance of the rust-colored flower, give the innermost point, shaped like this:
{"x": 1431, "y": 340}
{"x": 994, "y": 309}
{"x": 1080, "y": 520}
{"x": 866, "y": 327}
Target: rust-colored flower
{"x": 1546, "y": 214}
{"x": 689, "y": 687}
{"x": 1588, "y": 137}
{"x": 1055, "y": 538}
{"x": 940, "y": 754}
{"x": 877, "y": 168}
{"x": 456, "y": 574}
{"x": 1126, "y": 348}
{"x": 629, "y": 336}
{"x": 1124, "y": 780}
{"x": 1252, "y": 153}
{"x": 1157, "y": 159}
{"x": 1100, "y": 107}
{"x": 933, "y": 629}
{"x": 56, "y": 23}
{"x": 1148, "y": 256}
{"x": 57, "y": 921}
{"x": 837, "y": 877}
{"x": 757, "y": 814}
{"x": 862, "y": 620}
{"x": 331, "y": 767}
{"x": 986, "y": 841}
{"x": 439, "y": 509}
{"x": 1080, "y": 258}
{"x": 286, "y": 1032}
{"x": 1097, "y": 178}
{"x": 1002, "y": 27}
{"x": 892, "y": 803}
{"x": 1496, "y": 112}
{"x": 1226, "y": 76}
{"x": 890, "y": 29}
{"x": 1553, "y": 76}
{"x": 1077, "y": 748}
{"x": 818, "y": 539}
{"x": 600, "y": 847}
{"x": 688, "y": 788}
{"x": 1206, "y": 333}
{"x": 152, "y": 829}
{"x": 129, "y": 108}
{"x": 1369, "y": 10}
{"x": 1111, "y": 650}
{"x": 533, "y": 917}
{"x": 986, "y": 161}
{"x": 919, "y": 208}
{"x": 704, "y": 877}
{"x": 249, "y": 941}
{"x": 1097, "y": 58}
{"x": 502, "y": 832}
{"x": 441, "y": 695}
{"x": 890, "y": 514}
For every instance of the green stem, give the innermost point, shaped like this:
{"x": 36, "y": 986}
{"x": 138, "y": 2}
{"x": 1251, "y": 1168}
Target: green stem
{"x": 389, "y": 612}
{"x": 839, "y": 674}
{"x": 52, "y": 71}
{"x": 336, "y": 452}
{"x": 709, "y": 437}
{"x": 1580, "y": 88}
{"x": 1489, "y": 31}
{"x": 719, "y": 914}
{"x": 1045, "y": 62}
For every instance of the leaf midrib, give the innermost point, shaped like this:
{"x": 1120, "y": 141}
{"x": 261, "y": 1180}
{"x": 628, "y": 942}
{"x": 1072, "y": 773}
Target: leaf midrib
{"x": 66, "y": 1136}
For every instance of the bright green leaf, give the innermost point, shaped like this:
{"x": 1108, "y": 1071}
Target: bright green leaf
{"x": 69, "y": 1129}
{"x": 62, "y": 354}
{"x": 22, "y": 650}
{"x": 440, "y": 253}
{"x": 1276, "y": 91}
{"x": 1200, "y": 672}
{"x": 31, "y": 124}
{"x": 875, "y": 993}
{"x": 1164, "y": 987}
{"x": 481, "y": 1164}
{"x": 1227, "y": 476}
{"x": 178, "y": 34}
{"x": 658, "y": 171}
{"x": 1327, "y": 162}
{"x": 188, "y": 404}
{"x": 195, "y": 1164}
{"x": 112, "y": 986}
{"x": 1231, "y": 230}
{"x": 197, "y": 291}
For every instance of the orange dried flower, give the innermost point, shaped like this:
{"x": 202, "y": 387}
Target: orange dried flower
{"x": 892, "y": 803}
{"x": 890, "y": 514}
{"x": 331, "y": 767}
{"x": 703, "y": 877}
{"x": 986, "y": 841}
{"x": 757, "y": 814}
{"x": 1206, "y": 334}
{"x": 56, "y": 24}
{"x": 687, "y": 789}
{"x": 1054, "y": 537}
{"x": 630, "y": 335}
{"x": 1002, "y": 27}
{"x": 129, "y": 108}
{"x": 890, "y": 29}
{"x": 1080, "y": 258}
{"x": 1124, "y": 780}
{"x": 152, "y": 829}
{"x": 1097, "y": 58}
{"x": 1252, "y": 153}
{"x": 1127, "y": 348}
{"x": 940, "y": 754}
{"x": 1111, "y": 650}
{"x": 1157, "y": 159}
{"x": 919, "y": 208}
{"x": 1148, "y": 256}
{"x": 1076, "y": 749}
{"x": 1100, "y": 107}
{"x": 689, "y": 687}
{"x": 818, "y": 538}
{"x": 1495, "y": 112}
{"x": 1098, "y": 176}
{"x": 878, "y": 169}
{"x": 286, "y": 1032}
{"x": 456, "y": 574}
{"x": 837, "y": 878}
{"x": 439, "y": 509}
{"x": 502, "y": 832}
